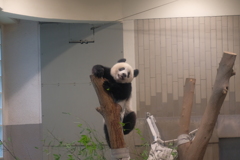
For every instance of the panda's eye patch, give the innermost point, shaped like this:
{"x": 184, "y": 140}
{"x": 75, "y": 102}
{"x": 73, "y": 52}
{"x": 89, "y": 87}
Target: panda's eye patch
{"x": 120, "y": 69}
{"x": 128, "y": 74}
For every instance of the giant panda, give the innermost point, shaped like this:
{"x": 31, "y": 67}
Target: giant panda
{"x": 119, "y": 87}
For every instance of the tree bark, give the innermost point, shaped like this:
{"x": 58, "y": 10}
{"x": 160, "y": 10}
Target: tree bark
{"x": 187, "y": 105}
{"x": 111, "y": 114}
{"x": 186, "y": 112}
{"x": 195, "y": 150}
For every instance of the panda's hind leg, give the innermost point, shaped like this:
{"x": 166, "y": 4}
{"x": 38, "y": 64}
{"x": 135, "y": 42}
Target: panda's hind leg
{"x": 129, "y": 122}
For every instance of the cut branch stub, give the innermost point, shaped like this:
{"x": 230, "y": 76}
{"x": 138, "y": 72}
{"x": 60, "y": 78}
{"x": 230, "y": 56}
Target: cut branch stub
{"x": 110, "y": 112}
{"x": 189, "y": 88}
{"x": 187, "y": 105}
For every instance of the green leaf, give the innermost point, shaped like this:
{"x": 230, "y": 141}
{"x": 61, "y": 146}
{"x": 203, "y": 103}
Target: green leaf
{"x": 122, "y": 124}
{"x": 89, "y": 131}
{"x": 70, "y": 157}
{"x": 66, "y": 113}
{"x": 57, "y": 156}
{"x": 84, "y": 139}
{"x": 46, "y": 151}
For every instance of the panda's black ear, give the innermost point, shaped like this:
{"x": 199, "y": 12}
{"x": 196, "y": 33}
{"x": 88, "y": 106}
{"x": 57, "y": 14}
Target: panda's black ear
{"x": 136, "y": 72}
{"x": 122, "y": 60}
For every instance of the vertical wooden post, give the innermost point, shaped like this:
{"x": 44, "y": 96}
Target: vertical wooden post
{"x": 111, "y": 114}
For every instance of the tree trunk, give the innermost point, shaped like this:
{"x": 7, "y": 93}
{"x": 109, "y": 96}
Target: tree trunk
{"x": 195, "y": 150}
{"x": 111, "y": 114}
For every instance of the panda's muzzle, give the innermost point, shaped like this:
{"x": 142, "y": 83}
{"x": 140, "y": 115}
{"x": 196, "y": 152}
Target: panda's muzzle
{"x": 122, "y": 76}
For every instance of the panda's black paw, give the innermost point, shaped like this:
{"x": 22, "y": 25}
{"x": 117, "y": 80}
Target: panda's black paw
{"x": 106, "y": 85}
{"x": 98, "y": 71}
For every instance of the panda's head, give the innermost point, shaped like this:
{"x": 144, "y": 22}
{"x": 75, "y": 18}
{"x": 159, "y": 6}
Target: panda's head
{"x": 122, "y": 72}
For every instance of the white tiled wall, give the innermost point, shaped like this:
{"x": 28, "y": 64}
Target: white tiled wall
{"x": 172, "y": 49}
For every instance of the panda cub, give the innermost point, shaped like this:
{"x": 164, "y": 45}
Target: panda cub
{"x": 119, "y": 87}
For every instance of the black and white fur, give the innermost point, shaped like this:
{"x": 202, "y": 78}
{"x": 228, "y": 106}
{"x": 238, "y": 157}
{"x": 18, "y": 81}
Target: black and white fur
{"x": 118, "y": 85}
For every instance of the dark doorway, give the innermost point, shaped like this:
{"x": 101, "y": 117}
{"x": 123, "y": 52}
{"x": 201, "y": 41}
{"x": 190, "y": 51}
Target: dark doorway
{"x": 229, "y": 148}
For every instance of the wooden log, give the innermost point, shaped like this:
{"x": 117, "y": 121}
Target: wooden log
{"x": 186, "y": 112}
{"x": 198, "y": 147}
{"x": 111, "y": 114}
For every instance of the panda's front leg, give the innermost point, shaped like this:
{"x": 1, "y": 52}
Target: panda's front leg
{"x": 107, "y": 86}
{"x": 98, "y": 71}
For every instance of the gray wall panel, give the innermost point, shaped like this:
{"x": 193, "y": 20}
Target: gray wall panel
{"x": 68, "y": 98}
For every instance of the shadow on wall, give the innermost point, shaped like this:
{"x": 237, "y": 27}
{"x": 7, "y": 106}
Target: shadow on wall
{"x": 55, "y": 39}
{"x": 64, "y": 62}
{"x": 60, "y": 57}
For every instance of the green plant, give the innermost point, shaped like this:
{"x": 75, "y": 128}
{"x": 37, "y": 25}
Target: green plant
{"x": 92, "y": 148}
{"x": 57, "y": 156}
{"x": 145, "y": 146}
{"x": 174, "y": 149}
{"x": 87, "y": 146}
{"x": 6, "y": 147}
